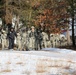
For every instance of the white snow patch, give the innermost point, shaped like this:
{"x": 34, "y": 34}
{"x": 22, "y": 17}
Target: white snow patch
{"x": 48, "y": 61}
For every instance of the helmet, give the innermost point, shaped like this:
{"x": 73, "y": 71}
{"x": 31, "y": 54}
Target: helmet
{"x": 32, "y": 27}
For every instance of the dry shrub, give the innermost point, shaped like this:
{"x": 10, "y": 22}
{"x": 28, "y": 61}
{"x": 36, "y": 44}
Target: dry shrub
{"x": 40, "y": 67}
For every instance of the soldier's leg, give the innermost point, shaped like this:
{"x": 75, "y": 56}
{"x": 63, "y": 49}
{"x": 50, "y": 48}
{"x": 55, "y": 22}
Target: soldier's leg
{"x": 27, "y": 45}
{"x": 7, "y": 43}
{"x": 22, "y": 44}
{"x": 45, "y": 43}
{"x": 40, "y": 44}
{"x": 0, "y": 46}
{"x": 36, "y": 44}
{"x": 53, "y": 43}
{"x": 10, "y": 43}
{"x": 3, "y": 43}
{"x": 19, "y": 45}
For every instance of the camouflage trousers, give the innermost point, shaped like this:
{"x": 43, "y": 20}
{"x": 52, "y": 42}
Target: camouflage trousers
{"x": 32, "y": 43}
{"x": 4, "y": 43}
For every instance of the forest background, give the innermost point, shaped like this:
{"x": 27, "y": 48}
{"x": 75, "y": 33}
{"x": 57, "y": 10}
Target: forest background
{"x": 53, "y": 15}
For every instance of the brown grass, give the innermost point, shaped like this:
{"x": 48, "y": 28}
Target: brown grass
{"x": 40, "y": 70}
{"x": 6, "y": 70}
{"x": 67, "y": 67}
{"x": 54, "y": 66}
{"x": 19, "y": 63}
{"x": 8, "y": 62}
{"x": 40, "y": 67}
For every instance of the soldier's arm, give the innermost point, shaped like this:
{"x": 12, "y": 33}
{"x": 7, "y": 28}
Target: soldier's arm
{"x": 15, "y": 34}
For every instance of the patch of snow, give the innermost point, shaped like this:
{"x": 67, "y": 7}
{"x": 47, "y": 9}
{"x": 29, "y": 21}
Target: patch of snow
{"x": 47, "y": 61}
{"x": 58, "y": 50}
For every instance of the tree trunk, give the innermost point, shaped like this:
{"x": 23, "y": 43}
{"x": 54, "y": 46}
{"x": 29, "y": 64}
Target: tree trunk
{"x": 73, "y": 37}
{"x": 68, "y": 37}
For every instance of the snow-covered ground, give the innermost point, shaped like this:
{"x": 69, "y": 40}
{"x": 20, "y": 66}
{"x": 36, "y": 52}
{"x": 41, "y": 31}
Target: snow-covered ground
{"x": 48, "y": 61}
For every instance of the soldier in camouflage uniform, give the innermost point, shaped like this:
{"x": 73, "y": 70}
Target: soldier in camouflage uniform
{"x": 63, "y": 40}
{"x": 11, "y": 37}
{"x": 24, "y": 35}
{"x": 45, "y": 39}
{"x": 28, "y": 39}
{"x": 38, "y": 39}
{"x": 52, "y": 40}
{"x": 32, "y": 38}
{"x": 57, "y": 42}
